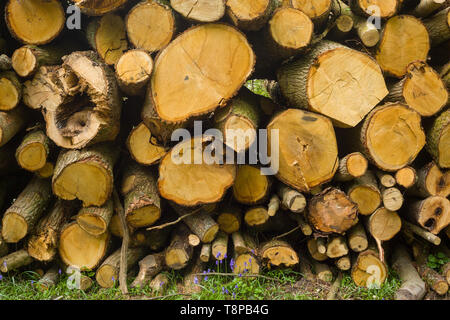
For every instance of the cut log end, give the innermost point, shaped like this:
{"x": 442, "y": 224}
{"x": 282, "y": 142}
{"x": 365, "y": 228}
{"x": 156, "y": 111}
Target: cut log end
{"x": 406, "y": 177}
{"x": 250, "y": 186}
{"x": 98, "y": 8}
{"x": 384, "y": 224}
{"x": 279, "y": 253}
{"x": 368, "y": 271}
{"x": 133, "y": 71}
{"x": 17, "y": 227}
{"x": 200, "y": 11}
{"x": 10, "y": 91}
{"x": 143, "y": 147}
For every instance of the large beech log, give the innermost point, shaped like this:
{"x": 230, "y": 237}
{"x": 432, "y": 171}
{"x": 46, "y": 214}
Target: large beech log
{"x": 208, "y": 66}
{"x": 277, "y": 253}
{"x": 10, "y": 91}
{"x": 151, "y": 25}
{"x": 317, "y": 10}
{"x": 250, "y": 15}
{"x": 421, "y": 89}
{"x": 432, "y": 213}
{"x": 332, "y": 211}
{"x": 133, "y": 70}
{"x": 316, "y": 81}
{"x": 85, "y": 174}
{"x": 108, "y": 273}
{"x": 365, "y": 193}
{"x": 413, "y": 287}
{"x": 22, "y": 216}
{"x": 43, "y": 244}
{"x": 179, "y": 253}
{"x": 351, "y": 166}
{"x": 357, "y": 238}
{"x": 392, "y": 136}
{"x": 15, "y": 260}
{"x": 98, "y": 8}
{"x": 383, "y": 224}
{"x": 438, "y": 27}
{"x": 438, "y": 139}
{"x": 142, "y": 203}
{"x": 189, "y": 184}
{"x": 95, "y": 220}
{"x": 34, "y": 150}
{"x": 368, "y": 270}
{"x": 239, "y": 121}
{"x": 11, "y": 123}
{"x": 144, "y": 148}
{"x": 377, "y": 8}
{"x": 307, "y": 150}
{"x": 149, "y": 267}
{"x": 107, "y": 36}
{"x": 404, "y": 40}
{"x": 80, "y": 101}
{"x": 80, "y": 249}
{"x": 250, "y": 186}
{"x": 35, "y": 21}
{"x": 431, "y": 181}
{"x": 199, "y": 10}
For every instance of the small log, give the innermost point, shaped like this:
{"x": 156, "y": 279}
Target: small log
{"x": 230, "y": 219}
{"x": 406, "y": 177}
{"x": 392, "y": 199}
{"x": 321, "y": 245}
{"x": 85, "y": 174}
{"x": 34, "y": 150}
{"x": 365, "y": 193}
{"x": 5, "y": 63}
{"x": 426, "y": 7}
{"x": 179, "y": 253}
{"x": 273, "y": 206}
{"x": 159, "y": 284}
{"x": 250, "y": 186}
{"x": 317, "y": 11}
{"x": 250, "y": 15}
{"x": 219, "y": 247}
{"x": 357, "y": 238}
{"x": 43, "y": 243}
{"x": 49, "y": 279}
{"x": 409, "y": 227}
{"x": 277, "y": 252}
{"x": 205, "y": 253}
{"x": 322, "y": 271}
{"x": 438, "y": 137}
{"x": 149, "y": 267}
{"x": 15, "y": 260}
{"x": 115, "y": 227}
{"x": 155, "y": 240}
{"x": 384, "y": 224}
{"x": 107, "y": 274}
{"x": 386, "y": 180}
{"x": 337, "y": 247}
{"x": 142, "y": 203}
{"x": 332, "y": 211}
{"x": 301, "y": 221}
{"x": 431, "y": 181}
{"x": 144, "y": 148}
{"x": 368, "y": 270}
{"x": 313, "y": 249}
{"x": 257, "y": 217}
{"x": 22, "y": 216}
{"x": 35, "y": 22}
{"x": 433, "y": 279}
{"x": 141, "y": 21}
{"x": 200, "y": 223}
{"x": 199, "y": 11}
{"x": 353, "y": 165}
{"x": 384, "y": 8}
{"x": 46, "y": 171}
{"x": 10, "y": 91}
{"x": 432, "y": 213}
{"x": 291, "y": 199}
{"x": 95, "y": 220}
{"x": 11, "y": 123}
{"x": 107, "y": 36}
{"x": 133, "y": 70}
{"x": 446, "y": 272}
{"x": 343, "y": 263}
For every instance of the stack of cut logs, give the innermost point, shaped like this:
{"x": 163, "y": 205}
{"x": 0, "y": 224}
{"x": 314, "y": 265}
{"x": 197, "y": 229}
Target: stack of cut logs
{"x": 354, "y": 97}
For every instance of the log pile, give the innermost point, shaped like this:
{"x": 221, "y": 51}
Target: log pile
{"x": 351, "y": 174}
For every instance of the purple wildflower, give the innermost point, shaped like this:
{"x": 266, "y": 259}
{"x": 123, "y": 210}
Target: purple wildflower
{"x": 218, "y": 255}
{"x": 206, "y": 278}
{"x": 1, "y": 277}
{"x": 59, "y": 271}
{"x": 196, "y": 280}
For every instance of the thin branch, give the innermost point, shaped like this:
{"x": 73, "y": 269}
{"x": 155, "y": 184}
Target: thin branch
{"x": 125, "y": 241}
{"x": 165, "y": 225}
{"x": 168, "y": 296}
{"x": 287, "y": 233}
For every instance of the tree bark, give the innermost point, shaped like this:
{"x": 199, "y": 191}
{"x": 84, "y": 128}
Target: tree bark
{"x": 98, "y": 8}
{"x": 365, "y": 193}
{"x": 10, "y": 91}
{"x": 11, "y": 123}
{"x": 34, "y": 150}
{"x": 133, "y": 70}
{"x": 353, "y": 165}
{"x": 438, "y": 137}
{"x": 15, "y": 260}
{"x": 438, "y": 27}
{"x": 95, "y": 220}
{"x": 149, "y": 267}
{"x": 179, "y": 253}
{"x": 250, "y": 15}
{"x": 432, "y": 213}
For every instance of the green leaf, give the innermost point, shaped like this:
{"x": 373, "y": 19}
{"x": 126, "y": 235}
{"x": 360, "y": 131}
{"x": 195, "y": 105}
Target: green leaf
{"x": 432, "y": 258}
{"x": 441, "y": 255}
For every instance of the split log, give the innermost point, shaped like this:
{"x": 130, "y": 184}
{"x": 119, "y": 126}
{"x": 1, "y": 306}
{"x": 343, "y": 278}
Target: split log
{"x": 438, "y": 27}
{"x": 353, "y": 165}
{"x": 11, "y": 123}
{"x": 406, "y": 177}
{"x": 313, "y": 249}
{"x": 317, "y": 10}
{"x": 149, "y": 267}
{"x": 144, "y": 148}
{"x": 133, "y": 70}
{"x": 368, "y": 270}
{"x": 291, "y": 199}
{"x": 438, "y": 138}
{"x": 365, "y": 193}
{"x": 199, "y": 11}
{"x": 33, "y": 152}
{"x": 80, "y": 249}
{"x": 357, "y": 238}
{"x": 433, "y": 279}
{"x": 413, "y": 287}
{"x": 332, "y": 211}
{"x": 250, "y": 186}
{"x": 238, "y": 121}
{"x": 150, "y": 25}
{"x": 308, "y": 154}
{"x": 432, "y": 213}
{"x": 179, "y": 253}
{"x": 98, "y": 8}
{"x": 107, "y": 36}
{"x": 392, "y": 199}
{"x": 303, "y": 83}
{"x": 219, "y": 247}
{"x": 10, "y": 91}
{"x": 384, "y": 224}
{"x": 85, "y": 174}
{"x": 95, "y": 220}
{"x": 392, "y": 136}
{"x": 404, "y": 40}
{"x": 250, "y": 15}
{"x": 421, "y": 89}
{"x": 431, "y": 181}
{"x": 49, "y": 279}
{"x": 412, "y": 228}
{"x": 15, "y": 260}
{"x": 43, "y": 244}
{"x": 22, "y": 216}
{"x": 375, "y": 8}
{"x": 107, "y": 274}
{"x": 36, "y": 21}
{"x": 230, "y": 219}
{"x": 201, "y": 183}
{"x": 142, "y": 203}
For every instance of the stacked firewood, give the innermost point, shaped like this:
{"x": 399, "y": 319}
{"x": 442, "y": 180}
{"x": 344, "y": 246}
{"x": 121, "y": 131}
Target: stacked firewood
{"x": 352, "y": 173}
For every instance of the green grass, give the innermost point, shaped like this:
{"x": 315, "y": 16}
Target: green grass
{"x": 349, "y": 290}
